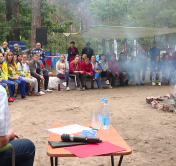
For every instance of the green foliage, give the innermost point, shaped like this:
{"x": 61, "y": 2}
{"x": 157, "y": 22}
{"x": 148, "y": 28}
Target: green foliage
{"x": 49, "y": 15}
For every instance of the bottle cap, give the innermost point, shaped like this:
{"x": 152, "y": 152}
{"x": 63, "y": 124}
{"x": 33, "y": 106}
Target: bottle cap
{"x": 105, "y": 100}
{"x": 102, "y": 99}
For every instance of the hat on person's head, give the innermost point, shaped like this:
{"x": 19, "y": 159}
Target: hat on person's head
{"x": 169, "y": 48}
{"x": 88, "y": 44}
{"x": 72, "y": 42}
{"x": 154, "y": 42}
{"x": 121, "y": 53}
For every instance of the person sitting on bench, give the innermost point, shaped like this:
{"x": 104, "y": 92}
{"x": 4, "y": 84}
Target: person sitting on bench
{"x": 62, "y": 71}
{"x": 114, "y": 68}
{"x": 36, "y": 72}
{"x": 97, "y": 71}
{"x": 156, "y": 70}
{"x": 84, "y": 56}
{"x": 88, "y": 72}
{"x": 76, "y": 71}
{"x": 24, "y": 149}
{"x": 105, "y": 69}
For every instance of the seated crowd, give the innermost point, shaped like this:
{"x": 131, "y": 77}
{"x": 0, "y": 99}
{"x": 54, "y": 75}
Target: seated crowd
{"x": 16, "y": 69}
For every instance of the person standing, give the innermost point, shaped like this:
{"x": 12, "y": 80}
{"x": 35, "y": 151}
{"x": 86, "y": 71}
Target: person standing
{"x": 88, "y": 50}
{"x": 38, "y": 50}
{"x": 134, "y": 70}
{"x": 13, "y": 74}
{"x": 16, "y": 50}
{"x": 24, "y": 149}
{"x": 143, "y": 56}
{"x": 72, "y": 51}
{"x": 24, "y": 72}
{"x": 114, "y": 68}
{"x": 76, "y": 71}
{"x": 36, "y": 72}
{"x": 154, "y": 51}
{"x": 169, "y": 52}
{"x": 4, "y": 48}
{"x": 62, "y": 71}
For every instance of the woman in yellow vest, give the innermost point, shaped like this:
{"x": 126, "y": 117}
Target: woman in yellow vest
{"x": 8, "y": 85}
{"x": 13, "y": 74}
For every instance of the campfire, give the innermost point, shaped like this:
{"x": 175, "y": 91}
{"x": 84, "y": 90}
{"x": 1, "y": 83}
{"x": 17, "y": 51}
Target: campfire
{"x": 165, "y": 103}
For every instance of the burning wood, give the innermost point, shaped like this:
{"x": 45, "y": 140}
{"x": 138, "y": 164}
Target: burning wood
{"x": 165, "y": 103}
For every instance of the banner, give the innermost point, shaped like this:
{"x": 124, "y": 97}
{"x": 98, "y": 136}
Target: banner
{"x": 22, "y": 45}
{"x": 115, "y": 47}
{"x": 135, "y": 47}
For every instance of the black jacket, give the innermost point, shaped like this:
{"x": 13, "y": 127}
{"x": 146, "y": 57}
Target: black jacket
{"x": 16, "y": 52}
{"x": 73, "y": 54}
{"x": 89, "y": 52}
{"x": 122, "y": 65}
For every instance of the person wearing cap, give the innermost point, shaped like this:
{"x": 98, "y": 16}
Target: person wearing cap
{"x": 88, "y": 50}
{"x": 154, "y": 51}
{"x": 72, "y": 51}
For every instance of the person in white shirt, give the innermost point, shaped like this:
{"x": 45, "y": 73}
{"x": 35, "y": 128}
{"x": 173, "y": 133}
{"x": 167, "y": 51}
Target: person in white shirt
{"x": 24, "y": 72}
{"x": 24, "y": 149}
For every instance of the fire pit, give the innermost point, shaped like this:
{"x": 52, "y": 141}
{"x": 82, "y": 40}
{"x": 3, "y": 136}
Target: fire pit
{"x": 165, "y": 103}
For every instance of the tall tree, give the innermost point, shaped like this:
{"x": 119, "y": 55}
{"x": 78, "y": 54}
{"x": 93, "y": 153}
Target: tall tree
{"x": 8, "y": 14}
{"x": 36, "y": 20}
{"x": 15, "y": 13}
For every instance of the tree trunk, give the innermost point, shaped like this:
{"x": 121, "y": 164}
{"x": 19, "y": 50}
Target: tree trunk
{"x": 36, "y": 20}
{"x": 110, "y": 46}
{"x": 104, "y": 46}
{"x": 15, "y": 12}
{"x": 9, "y": 14}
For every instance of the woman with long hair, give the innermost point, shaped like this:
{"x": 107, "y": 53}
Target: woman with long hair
{"x": 8, "y": 85}
{"x": 13, "y": 74}
{"x": 62, "y": 71}
{"x": 18, "y": 58}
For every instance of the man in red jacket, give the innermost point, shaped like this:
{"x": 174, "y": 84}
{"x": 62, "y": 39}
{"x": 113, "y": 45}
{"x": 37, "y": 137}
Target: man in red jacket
{"x": 114, "y": 68}
{"x": 88, "y": 72}
{"x": 76, "y": 71}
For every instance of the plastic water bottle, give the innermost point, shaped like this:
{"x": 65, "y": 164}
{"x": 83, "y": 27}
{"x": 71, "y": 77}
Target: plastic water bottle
{"x": 105, "y": 116}
{"x": 100, "y": 111}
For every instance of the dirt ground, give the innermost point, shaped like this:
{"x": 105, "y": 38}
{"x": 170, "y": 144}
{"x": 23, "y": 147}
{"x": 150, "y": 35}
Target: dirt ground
{"x": 149, "y": 132}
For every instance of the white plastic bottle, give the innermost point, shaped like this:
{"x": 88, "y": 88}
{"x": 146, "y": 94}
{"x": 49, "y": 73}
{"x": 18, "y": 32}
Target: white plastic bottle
{"x": 105, "y": 116}
{"x": 100, "y": 111}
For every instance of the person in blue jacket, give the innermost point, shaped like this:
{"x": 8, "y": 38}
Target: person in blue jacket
{"x": 167, "y": 70}
{"x": 156, "y": 70}
{"x": 96, "y": 67}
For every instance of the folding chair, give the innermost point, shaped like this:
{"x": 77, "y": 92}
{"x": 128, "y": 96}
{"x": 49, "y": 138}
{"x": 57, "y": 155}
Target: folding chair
{"x": 6, "y": 148}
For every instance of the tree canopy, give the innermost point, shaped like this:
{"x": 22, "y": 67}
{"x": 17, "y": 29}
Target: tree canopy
{"x": 60, "y": 16}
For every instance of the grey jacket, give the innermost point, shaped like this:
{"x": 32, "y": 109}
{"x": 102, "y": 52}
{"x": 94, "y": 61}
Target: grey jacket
{"x": 104, "y": 65}
{"x": 33, "y": 69}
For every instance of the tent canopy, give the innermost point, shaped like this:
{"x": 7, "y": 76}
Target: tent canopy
{"x": 114, "y": 32}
